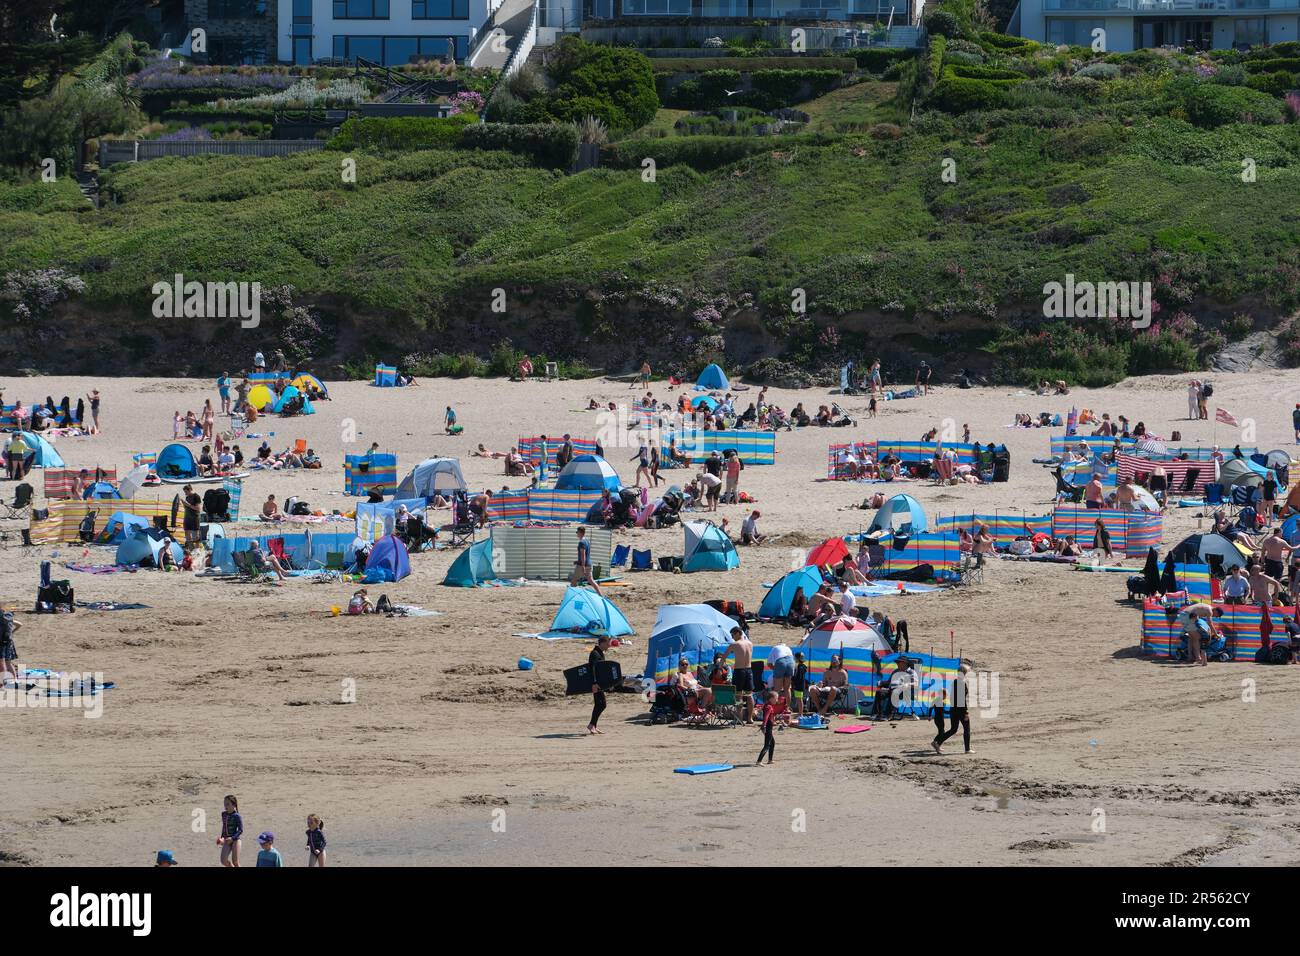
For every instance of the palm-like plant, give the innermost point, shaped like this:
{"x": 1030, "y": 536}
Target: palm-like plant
{"x": 592, "y": 131}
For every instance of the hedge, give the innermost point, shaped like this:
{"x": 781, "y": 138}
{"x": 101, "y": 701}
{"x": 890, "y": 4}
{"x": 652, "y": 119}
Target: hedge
{"x": 212, "y": 114}
{"x": 880, "y": 59}
{"x": 402, "y": 132}
{"x": 1289, "y": 64}
{"x": 702, "y": 153}
{"x": 955, "y": 94}
{"x": 769, "y": 89}
{"x": 1209, "y": 105}
{"x": 984, "y": 73}
{"x": 748, "y": 64}
{"x": 549, "y": 145}
{"x": 155, "y": 102}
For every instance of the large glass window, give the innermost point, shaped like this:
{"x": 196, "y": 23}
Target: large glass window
{"x": 229, "y": 51}
{"x": 360, "y": 9}
{"x": 236, "y": 9}
{"x": 1071, "y": 32}
{"x": 396, "y": 51}
{"x": 657, "y": 7}
{"x": 439, "y": 9}
{"x": 1250, "y": 32}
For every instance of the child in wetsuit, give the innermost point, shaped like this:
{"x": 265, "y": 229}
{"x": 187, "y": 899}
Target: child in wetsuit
{"x": 315, "y": 841}
{"x": 232, "y": 829}
{"x": 769, "y": 722}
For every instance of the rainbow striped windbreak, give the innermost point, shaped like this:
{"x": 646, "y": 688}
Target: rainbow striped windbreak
{"x": 509, "y": 505}
{"x": 380, "y": 472}
{"x": 560, "y": 505}
{"x": 385, "y": 375}
{"x": 1131, "y": 532}
{"x": 531, "y": 449}
{"x": 940, "y": 550}
{"x": 1003, "y": 527}
{"x": 908, "y": 452}
{"x": 754, "y": 448}
{"x": 65, "y": 515}
{"x": 1097, "y": 444}
{"x": 1161, "y": 633}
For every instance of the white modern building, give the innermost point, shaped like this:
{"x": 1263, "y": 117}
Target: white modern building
{"x": 1139, "y": 24}
{"x": 389, "y": 32}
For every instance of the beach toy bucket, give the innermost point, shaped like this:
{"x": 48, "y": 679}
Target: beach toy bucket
{"x": 334, "y": 611}
{"x": 525, "y": 664}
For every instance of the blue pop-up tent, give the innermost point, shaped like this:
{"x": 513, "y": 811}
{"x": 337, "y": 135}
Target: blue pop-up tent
{"x": 121, "y": 526}
{"x": 901, "y": 514}
{"x": 45, "y": 455}
{"x": 588, "y": 473}
{"x": 176, "y": 461}
{"x": 708, "y": 548}
{"x": 473, "y": 567}
{"x": 584, "y": 612}
{"x": 148, "y": 546}
{"x": 388, "y": 561}
{"x": 780, "y": 596}
{"x": 712, "y": 378}
{"x": 290, "y": 393}
{"x": 694, "y": 631}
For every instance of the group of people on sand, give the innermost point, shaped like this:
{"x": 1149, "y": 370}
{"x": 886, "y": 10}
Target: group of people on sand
{"x": 231, "y": 839}
{"x": 52, "y": 415}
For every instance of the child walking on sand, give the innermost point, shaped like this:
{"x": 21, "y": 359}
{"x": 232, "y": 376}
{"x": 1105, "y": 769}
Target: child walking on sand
{"x": 232, "y": 829}
{"x": 8, "y": 650}
{"x": 315, "y": 841}
{"x": 769, "y": 719}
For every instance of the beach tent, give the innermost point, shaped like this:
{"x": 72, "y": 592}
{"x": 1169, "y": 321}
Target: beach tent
{"x": 831, "y": 551}
{"x": 690, "y": 629}
{"x": 473, "y": 567}
{"x": 713, "y": 378}
{"x": 901, "y": 514}
{"x": 133, "y": 481}
{"x": 1209, "y": 548}
{"x": 45, "y": 455}
{"x": 143, "y": 546}
{"x": 776, "y": 603}
{"x": 1238, "y": 471}
{"x": 176, "y": 461}
{"x": 100, "y": 490}
{"x": 385, "y": 375}
{"x": 433, "y": 476}
{"x": 306, "y": 382}
{"x": 704, "y": 401}
{"x": 708, "y": 548}
{"x": 260, "y": 397}
{"x": 121, "y": 526}
{"x": 841, "y": 632}
{"x": 1291, "y": 529}
{"x": 587, "y": 612}
{"x": 288, "y": 395}
{"x": 1143, "y": 500}
{"x": 588, "y": 473}
{"x": 388, "y": 561}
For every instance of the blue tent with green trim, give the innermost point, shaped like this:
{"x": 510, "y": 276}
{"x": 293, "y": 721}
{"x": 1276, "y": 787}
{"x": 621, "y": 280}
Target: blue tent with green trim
{"x": 586, "y": 612}
{"x": 473, "y": 567}
{"x": 781, "y": 595}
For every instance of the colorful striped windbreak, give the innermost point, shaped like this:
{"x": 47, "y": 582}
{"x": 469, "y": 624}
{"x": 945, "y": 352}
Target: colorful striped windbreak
{"x": 1003, "y": 526}
{"x": 939, "y": 550}
{"x": 530, "y": 449}
{"x": 552, "y": 504}
{"x": 1161, "y": 633}
{"x": 1185, "y": 477}
{"x": 754, "y": 447}
{"x": 363, "y": 472}
{"x": 1131, "y": 532}
{"x": 1097, "y": 444}
{"x": 509, "y": 505}
{"x": 59, "y": 481}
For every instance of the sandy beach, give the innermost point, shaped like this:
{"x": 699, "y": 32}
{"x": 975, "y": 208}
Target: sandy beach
{"x": 451, "y": 755}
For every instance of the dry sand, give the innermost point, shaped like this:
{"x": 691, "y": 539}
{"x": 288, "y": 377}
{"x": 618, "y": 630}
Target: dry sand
{"x": 236, "y": 688}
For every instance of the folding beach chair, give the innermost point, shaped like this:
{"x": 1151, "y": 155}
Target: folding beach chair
{"x": 22, "y": 504}
{"x": 619, "y": 558}
{"x": 276, "y": 547}
{"x": 641, "y": 560}
{"x": 726, "y": 708}
{"x": 972, "y": 569}
{"x": 300, "y": 446}
{"x": 1214, "y": 493}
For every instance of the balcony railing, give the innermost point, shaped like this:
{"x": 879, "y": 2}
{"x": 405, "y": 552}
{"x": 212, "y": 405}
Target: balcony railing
{"x": 1177, "y": 7}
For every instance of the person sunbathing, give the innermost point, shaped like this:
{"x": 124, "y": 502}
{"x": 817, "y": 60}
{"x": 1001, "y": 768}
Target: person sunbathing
{"x": 1068, "y": 548}
{"x": 481, "y": 452}
{"x": 261, "y": 560}
{"x": 688, "y": 685}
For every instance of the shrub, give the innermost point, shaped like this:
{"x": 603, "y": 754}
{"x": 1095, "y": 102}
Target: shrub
{"x": 942, "y": 23}
{"x": 1100, "y": 71}
{"x": 1274, "y": 84}
{"x": 1209, "y": 105}
{"x": 615, "y": 85}
{"x": 549, "y": 145}
{"x": 1289, "y": 64}
{"x": 702, "y": 153}
{"x": 953, "y": 94}
{"x": 967, "y": 59}
{"x": 985, "y": 73}
{"x": 402, "y": 132}
{"x": 881, "y": 59}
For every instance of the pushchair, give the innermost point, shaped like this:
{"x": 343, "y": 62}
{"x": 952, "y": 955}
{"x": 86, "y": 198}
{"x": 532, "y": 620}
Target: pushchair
{"x": 1216, "y": 648}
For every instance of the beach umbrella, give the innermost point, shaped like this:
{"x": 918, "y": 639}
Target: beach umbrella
{"x": 588, "y": 473}
{"x": 704, "y": 401}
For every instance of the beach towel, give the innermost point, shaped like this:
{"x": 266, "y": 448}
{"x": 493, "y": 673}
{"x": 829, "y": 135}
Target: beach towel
{"x": 112, "y": 606}
{"x": 852, "y": 728}
{"x": 98, "y": 568}
{"x": 702, "y": 768}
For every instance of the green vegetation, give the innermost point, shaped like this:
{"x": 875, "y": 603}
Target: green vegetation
{"x": 1108, "y": 167}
